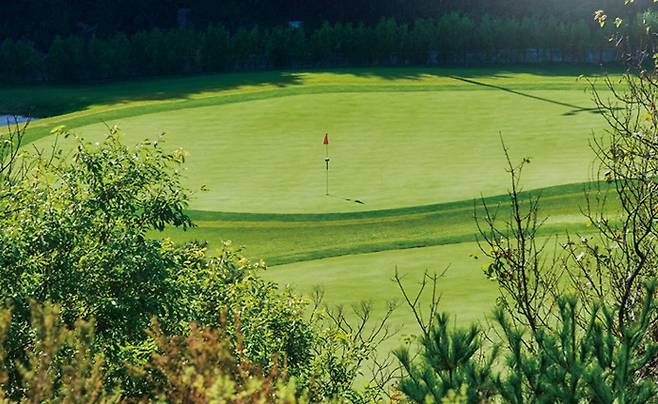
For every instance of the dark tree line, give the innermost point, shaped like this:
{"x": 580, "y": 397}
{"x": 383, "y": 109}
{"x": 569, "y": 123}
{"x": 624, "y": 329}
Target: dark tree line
{"x": 453, "y": 39}
{"x": 41, "y": 20}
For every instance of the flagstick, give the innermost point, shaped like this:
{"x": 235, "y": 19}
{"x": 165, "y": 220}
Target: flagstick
{"x": 326, "y": 160}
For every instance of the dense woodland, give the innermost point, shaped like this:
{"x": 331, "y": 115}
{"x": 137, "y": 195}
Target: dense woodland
{"x": 25, "y": 19}
{"x": 119, "y": 39}
{"x": 453, "y": 39}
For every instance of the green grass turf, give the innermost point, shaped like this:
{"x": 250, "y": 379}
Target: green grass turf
{"x": 281, "y": 239}
{"x": 409, "y": 143}
{"x": 66, "y": 101}
{"x": 399, "y": 137}
{"x": 466, "y": 293}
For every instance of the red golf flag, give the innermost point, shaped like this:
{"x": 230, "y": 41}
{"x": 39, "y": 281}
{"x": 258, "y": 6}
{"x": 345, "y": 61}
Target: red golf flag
{"x": 326, "y": 138}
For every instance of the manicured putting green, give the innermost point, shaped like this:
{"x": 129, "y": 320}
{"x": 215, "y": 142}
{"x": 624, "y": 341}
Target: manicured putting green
{"x": 394, "y": 142}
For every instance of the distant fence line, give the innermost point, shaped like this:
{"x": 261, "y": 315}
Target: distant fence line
{"x": 523, "y": 56}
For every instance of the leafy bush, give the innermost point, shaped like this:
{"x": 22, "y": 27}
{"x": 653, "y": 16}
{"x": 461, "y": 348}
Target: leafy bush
{"x": 64, "y": 366}
{"x": 62, "y": 363}
{"x": 74, "y": 232}
{"x": 201, "y": 367}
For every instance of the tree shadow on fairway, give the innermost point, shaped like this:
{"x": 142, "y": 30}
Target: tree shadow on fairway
{"x": 502, "y": 72}
{"x": 469, "y": 75}
{"x": 52, "y": 100}
{"x": 574, "y": 108}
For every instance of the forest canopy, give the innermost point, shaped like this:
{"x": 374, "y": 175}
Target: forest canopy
{"x": 26, "y": 19}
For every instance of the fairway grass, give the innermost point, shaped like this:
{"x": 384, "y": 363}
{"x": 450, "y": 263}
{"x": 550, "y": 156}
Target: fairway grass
{"x": 282, "y": 238}
{"x": 417, "y": 147}
{"x": 64, "y": 102}
{"x": 388, "y": 149}
{"x": 466, "y": 294}
{"x": 394, "y": 142}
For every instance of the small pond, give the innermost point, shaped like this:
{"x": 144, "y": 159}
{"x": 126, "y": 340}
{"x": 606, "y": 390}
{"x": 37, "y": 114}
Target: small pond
{"x": 12, "y": 119}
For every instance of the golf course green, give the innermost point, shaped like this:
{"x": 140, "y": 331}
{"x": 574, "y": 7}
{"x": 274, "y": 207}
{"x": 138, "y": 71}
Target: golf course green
{"x": 391, "y": 145}
{"x": 412, "y": 150}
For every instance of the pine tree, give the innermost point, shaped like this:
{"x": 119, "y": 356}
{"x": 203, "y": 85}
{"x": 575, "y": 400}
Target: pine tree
{"x": 566, "y": 364}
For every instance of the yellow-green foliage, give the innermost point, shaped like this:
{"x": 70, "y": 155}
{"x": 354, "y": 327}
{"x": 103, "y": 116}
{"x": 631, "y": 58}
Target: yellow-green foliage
{"x": 63, "y": 364}
{"x": 200, "y": 367}
{"x": 73, "y": 232}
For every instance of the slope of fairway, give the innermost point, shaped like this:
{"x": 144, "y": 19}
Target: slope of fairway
{"x": 399, "y": 138}
{"x": 466, "y": 293}
{"x": 281, "y": 238}
{"x": 65, "y": 102}
{"x": 393, "y": 144}
{"x": 415, "y": 147}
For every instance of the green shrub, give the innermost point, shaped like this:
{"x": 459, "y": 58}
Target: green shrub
{"x": 74, "y": 232}
{"x": 62, "y": 363}
{"x": 567, "y": 364}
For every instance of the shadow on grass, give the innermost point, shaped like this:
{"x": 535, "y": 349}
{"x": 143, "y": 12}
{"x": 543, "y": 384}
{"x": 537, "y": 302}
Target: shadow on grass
{"x": 357, "y": 201}
{"x": 58, "y": 99}
{"x": 574, "y": 108}
{"x": 468, "y": 75}
{"x": 51, "y": 100}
